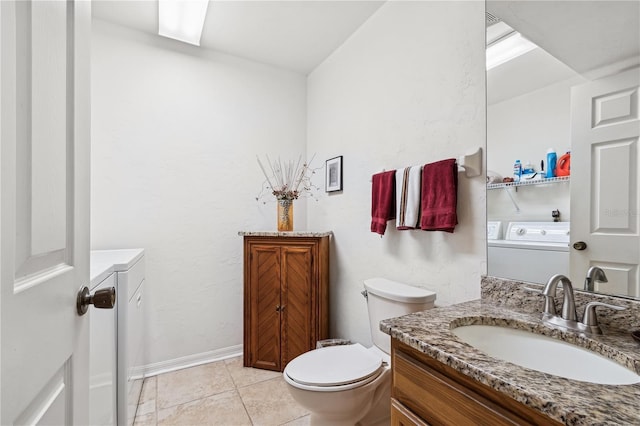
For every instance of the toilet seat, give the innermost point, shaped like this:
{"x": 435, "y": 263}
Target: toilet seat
{"x": 334, "y": 368}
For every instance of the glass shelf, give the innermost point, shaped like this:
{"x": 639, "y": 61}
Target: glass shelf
{"x": 528, "y": 182}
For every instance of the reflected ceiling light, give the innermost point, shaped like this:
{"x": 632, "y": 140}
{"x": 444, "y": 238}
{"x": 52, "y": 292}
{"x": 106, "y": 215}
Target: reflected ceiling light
{"x": 182, "y": 19}
{"x": 507, "y": 48}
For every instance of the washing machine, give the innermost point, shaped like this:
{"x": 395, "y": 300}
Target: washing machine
{"x": 529, "y": 251}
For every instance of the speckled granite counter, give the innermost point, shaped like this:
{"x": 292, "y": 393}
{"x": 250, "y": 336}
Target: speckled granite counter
{"x": 568, "y": 401}
{"x": 284, "y": 234}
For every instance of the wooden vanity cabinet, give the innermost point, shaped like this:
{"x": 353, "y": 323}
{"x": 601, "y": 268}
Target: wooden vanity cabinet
{"x": 286, "y": 298}
{"x": 427, "y": 392}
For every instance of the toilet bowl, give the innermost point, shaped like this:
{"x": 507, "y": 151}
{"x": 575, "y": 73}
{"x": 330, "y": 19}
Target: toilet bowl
{"x": 351, "y": 384}
{"x": 342, "y": 395}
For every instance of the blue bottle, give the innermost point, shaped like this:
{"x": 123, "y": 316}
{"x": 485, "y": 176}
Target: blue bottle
{"x": 552, "y": 159}
{"x": 517, "y": 171}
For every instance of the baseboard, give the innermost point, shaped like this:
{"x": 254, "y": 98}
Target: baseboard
{"x": 191, "y": 360}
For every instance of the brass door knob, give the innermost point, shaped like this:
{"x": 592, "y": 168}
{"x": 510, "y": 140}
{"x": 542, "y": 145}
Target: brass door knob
{"x": 102, "y": 299}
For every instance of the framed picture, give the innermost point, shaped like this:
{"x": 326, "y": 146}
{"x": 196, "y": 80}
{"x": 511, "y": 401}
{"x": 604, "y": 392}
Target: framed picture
{"x": 334, "y": 174}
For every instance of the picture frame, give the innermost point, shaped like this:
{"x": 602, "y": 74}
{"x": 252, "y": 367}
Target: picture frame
{"x": 333, "y": 174}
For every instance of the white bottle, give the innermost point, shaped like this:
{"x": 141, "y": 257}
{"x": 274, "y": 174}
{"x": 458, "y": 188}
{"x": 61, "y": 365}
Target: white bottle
{"x": 517, "y": 171}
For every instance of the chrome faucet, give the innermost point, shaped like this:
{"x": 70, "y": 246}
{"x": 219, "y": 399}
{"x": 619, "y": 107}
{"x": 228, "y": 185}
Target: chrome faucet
{"x": 594, "y": 274}
{"x": 568, "y": 304}
{"x": 569, "y": 317}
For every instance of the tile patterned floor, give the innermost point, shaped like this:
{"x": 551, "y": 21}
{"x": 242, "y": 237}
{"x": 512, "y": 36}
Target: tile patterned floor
{"x": 219, "y": 393}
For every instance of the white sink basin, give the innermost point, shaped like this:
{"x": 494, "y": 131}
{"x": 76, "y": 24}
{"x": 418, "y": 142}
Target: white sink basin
{"x": 545, "y": 354}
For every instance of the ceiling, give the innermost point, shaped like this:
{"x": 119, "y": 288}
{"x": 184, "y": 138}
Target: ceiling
{"x": 295, "y": 35}
{"x": 585, "y": 35}
{"x": 576, "y": 38}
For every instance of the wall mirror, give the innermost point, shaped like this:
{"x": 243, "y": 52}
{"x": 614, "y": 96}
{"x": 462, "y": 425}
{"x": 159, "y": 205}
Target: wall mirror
{"x": 573, "y": 90}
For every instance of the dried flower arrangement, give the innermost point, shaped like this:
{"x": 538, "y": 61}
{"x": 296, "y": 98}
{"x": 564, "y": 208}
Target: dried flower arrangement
{"x": 288, "y": 180}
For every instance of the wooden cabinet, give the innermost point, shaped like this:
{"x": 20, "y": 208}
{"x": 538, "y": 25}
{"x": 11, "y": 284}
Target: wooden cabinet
{"x": 286, "y": 298}
{"x": 401, "y": 416}
{"x": 425, "y": 391}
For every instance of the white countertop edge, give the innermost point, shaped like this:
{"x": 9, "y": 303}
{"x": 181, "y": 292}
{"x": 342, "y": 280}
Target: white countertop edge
{"x": 105, "y": 262}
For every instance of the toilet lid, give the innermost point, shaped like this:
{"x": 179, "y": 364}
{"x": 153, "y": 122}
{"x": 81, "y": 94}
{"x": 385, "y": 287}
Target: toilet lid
{"x": 334, "y": 365}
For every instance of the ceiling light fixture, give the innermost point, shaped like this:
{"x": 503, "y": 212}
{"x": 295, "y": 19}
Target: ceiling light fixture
{"x": 507, "y": 48}
{"x": 182, "y": 20}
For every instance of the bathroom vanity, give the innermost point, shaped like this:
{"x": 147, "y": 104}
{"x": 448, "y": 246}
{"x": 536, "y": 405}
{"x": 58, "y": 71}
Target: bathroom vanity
{"x": 439, "y": 379}
{"x": 286, "y": 296}
{"x": 441, "y": 395}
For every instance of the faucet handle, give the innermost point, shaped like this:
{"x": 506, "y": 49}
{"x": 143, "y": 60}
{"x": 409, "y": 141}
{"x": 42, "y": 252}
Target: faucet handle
{"x": 590, "y": 318}
{"x": 549, "y": 302}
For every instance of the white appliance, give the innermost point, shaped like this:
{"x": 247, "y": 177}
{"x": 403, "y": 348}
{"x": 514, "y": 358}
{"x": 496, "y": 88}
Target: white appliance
{"x": 125, "y": 270}
{"x": 102, "y": 361}
{"x": 530, "y": 251}
{"x": 494, "y": 230}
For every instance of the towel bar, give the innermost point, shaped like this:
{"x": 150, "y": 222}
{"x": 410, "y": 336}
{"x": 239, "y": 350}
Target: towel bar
{"x": 471, "y": 164}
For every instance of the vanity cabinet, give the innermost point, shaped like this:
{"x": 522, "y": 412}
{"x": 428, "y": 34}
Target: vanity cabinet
{"x": 425, "y": 391}
{"x": 286, "y": 298}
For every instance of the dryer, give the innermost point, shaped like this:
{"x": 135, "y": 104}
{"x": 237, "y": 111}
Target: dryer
{"x": 124, "y": 269}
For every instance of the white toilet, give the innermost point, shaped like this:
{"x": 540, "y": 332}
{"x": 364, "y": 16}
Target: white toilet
{"x": 351, "y": 384}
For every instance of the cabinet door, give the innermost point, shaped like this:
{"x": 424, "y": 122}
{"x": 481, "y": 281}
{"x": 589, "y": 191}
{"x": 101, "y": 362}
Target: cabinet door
{"x": 401, "y": 416}
{"x": 264, "y": 312}
{"x": 298, "y": 298}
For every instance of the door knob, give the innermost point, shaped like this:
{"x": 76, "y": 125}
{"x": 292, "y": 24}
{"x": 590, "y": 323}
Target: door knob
{"x": 103, "y": 299}
{"x": 580, "y": 245}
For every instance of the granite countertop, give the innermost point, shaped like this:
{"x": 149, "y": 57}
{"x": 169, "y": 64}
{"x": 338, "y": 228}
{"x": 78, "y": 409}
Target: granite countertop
{"x": 285, "y": 234}
{"x": 568, "y": 401}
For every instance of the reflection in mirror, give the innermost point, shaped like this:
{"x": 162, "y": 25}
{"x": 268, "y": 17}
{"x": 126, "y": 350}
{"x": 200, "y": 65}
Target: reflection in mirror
{"x": 562, "y": 87}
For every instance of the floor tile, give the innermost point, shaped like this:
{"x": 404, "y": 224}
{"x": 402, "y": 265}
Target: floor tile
{"x": 192, "y": 383}
{"x": 145, "y": 408}
{"x": 145, "y": 420}
{"x": 148, "y": 389}
{"x": 302, "y": 421}
{"x": 221, "y": 409}
{"x": 269, "y": 403}
{"x": 243, "y": 376}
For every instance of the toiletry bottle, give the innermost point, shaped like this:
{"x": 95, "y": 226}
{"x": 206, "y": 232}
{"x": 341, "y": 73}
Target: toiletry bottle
{"x": 563, "y": 166}
{"x": 517, "y": 171}
{"x": 527, "y": 170}
{"x": 552, "y": 158}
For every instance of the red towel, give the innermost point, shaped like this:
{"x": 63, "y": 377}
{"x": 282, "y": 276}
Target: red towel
{"x": 383, "y": 200}
{"x": 439, "y": 196}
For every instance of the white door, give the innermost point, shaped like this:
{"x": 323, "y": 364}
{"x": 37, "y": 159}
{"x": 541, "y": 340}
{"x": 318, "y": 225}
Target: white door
{"x": 44, "y": 210}
{"x": 605, "y": 182}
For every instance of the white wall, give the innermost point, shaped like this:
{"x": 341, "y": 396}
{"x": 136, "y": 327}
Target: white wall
{"x": 175, "y": 134}
{"x": 407, "y": 88}
{"x": 524, "y": 128}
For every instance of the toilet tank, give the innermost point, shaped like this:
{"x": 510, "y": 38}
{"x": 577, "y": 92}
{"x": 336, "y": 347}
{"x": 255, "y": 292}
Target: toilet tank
{"x": 390, "y": 299}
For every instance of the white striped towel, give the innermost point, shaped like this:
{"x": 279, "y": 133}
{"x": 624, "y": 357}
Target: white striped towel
{"x": 408, "y": 181}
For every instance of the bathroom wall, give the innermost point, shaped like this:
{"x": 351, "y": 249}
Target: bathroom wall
{"x": 524, "y": 128}
{"x": 175, "y": 134}
{"x": 407, "y": 88}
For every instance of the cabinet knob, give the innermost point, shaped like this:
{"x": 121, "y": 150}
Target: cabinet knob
{"x": 279, "y": 308}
